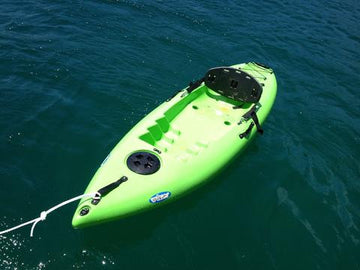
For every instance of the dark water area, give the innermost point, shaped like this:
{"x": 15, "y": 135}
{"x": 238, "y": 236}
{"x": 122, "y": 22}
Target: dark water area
{"x": 75, "y": 76}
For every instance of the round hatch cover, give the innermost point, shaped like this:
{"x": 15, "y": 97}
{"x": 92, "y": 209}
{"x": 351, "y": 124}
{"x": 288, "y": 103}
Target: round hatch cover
{"x": 143, "y": 163}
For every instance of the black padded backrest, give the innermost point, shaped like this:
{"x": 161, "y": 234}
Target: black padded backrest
{"x": 233, "y": 83}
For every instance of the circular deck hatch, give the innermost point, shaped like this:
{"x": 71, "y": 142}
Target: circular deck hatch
{"x": 143, "y": 163}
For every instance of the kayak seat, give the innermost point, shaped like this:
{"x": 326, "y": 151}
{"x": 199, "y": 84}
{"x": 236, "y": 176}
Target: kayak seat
{"x": 234, "y": 84}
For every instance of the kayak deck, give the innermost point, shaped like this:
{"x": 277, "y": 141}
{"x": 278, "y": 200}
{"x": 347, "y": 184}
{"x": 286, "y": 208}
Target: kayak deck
{"x": 204, "y": 118}
{"x": 193, "y": 135}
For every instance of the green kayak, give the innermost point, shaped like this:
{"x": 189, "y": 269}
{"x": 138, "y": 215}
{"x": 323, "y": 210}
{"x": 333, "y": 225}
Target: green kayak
{"x": 181, "y": 144}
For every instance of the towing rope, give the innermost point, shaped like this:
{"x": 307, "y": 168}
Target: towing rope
{"x": 95, "y": 195}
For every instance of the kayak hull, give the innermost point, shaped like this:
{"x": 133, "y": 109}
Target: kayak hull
{"x": 191, "y": 137}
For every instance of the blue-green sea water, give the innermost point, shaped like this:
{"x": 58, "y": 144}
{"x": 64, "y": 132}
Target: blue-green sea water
{"x": 75, "y": 76}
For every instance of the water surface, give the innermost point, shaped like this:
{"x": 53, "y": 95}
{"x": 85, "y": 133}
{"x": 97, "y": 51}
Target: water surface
{"x": 76, "y": 76}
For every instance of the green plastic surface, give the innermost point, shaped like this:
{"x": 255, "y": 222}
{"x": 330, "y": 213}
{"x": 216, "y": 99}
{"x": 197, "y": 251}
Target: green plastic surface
{"x": 197, "y": 134}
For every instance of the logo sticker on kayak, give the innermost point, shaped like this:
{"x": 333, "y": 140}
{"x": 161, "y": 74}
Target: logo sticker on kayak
{"x": 159, "y": 197}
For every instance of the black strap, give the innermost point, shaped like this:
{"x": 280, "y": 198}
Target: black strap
{"x": 238, "y": 106}
{"x": 107, "y": 189}
{"x": 247, "y": 131}
{"x": 252, "y": 114}
{"x": 194, "y": 85}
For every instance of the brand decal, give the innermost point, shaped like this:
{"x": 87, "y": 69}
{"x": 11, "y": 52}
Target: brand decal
{"x": 159, "y": 197}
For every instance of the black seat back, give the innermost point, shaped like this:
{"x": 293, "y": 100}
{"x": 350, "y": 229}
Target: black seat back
{"x": 234, "y": 84}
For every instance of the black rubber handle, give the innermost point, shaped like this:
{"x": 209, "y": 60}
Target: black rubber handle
{"x": 107, "y": 189}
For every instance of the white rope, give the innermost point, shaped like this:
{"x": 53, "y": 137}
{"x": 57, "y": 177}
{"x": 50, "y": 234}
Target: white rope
{"x": 43, "y": 214}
